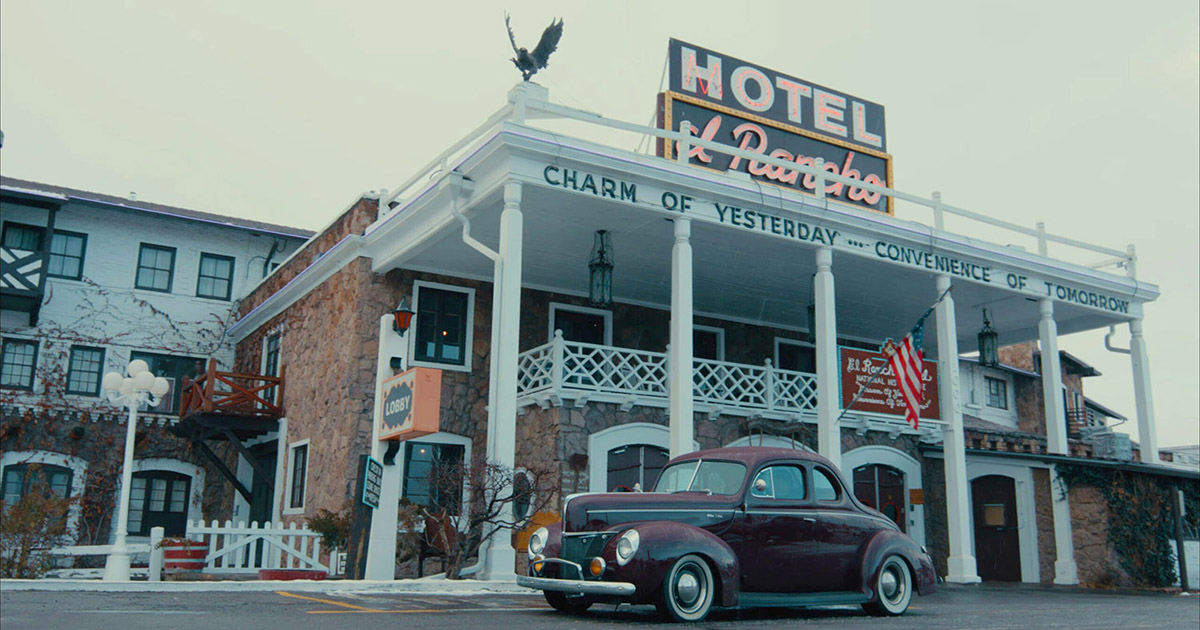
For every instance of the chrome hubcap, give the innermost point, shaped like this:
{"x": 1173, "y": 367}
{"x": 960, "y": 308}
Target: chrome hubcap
{"x": 687, "y": 588}
{"x": 888, "y": 584}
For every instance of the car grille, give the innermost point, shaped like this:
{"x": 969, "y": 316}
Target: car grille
{"x": 580, "y": 547}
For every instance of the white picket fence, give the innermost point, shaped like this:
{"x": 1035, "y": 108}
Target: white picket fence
{"x": 246, "y": 549}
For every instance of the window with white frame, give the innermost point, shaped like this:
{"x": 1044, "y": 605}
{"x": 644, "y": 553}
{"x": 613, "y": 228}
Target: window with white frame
{"x": 581, "y": 323}
{"x": 708, "y": 342}
{"x": 270, "y": 362}
{"x": 297, "y": 475}
{"x": 795, "y": 355}
{"x": 433, "y": 475}
{"x": 159, "y": 498}
{"x": 997, "y": 392}
{"x": 444, "y": 334}
{"x": 18, "y": 362}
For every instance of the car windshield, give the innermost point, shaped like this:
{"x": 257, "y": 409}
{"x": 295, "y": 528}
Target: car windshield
{"x": 712, "y": 477}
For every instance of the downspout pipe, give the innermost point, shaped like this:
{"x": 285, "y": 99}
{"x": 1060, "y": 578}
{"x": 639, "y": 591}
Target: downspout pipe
{"x": 1112, "y": 330}
{"x": 461, "y": 188}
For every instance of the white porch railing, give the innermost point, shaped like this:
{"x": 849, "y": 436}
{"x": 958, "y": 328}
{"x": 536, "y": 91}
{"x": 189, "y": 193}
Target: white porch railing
{"x": 243, "y": 549}
{"x": 560, "y": 370}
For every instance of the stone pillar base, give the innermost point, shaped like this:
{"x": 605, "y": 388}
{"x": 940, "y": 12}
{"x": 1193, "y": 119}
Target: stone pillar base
{"x": 962, "y": 570}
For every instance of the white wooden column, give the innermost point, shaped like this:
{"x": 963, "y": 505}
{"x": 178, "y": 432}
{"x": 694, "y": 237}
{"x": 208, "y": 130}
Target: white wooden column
{"x": 1142, "y": 396}
{"x": 1052, "y": 392}
{"x": 381, "y": 545}
{"x": 1065, "y": 570}
{"x": 829, "y": 437}
{"x": 500, "y": 557}
{"x": 682, "y": 416}
{"x": 961, "y": 563}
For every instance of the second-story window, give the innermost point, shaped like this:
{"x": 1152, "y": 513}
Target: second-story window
{"x": 20, "y": 236}
{"x": 66, "y": 255}
{"x": 83, "y": 371}
{"x": 442, "y": 317}
{"x": 271, "y": 363}
{"x": 18, "y": 361}
{"x": 216, "y": 277}
{"x": 156, "y": 267}
{"x": 176, "y": 369}
{"x": 997, "y": 393}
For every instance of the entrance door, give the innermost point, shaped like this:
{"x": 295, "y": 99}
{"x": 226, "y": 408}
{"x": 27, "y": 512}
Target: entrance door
{"x": 262, "y": 494}
{"x": 882, "y": 487}
{"x": 997, "y": 548}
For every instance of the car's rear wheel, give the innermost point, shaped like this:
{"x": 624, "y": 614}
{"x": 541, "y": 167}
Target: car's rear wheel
{"x": 687, "y": 592}
{"x": 893, "y": 589}
{"x": 567, "y": 603}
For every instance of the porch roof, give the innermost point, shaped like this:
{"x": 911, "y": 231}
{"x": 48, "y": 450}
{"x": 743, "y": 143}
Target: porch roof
{"x": 749, "y": 265}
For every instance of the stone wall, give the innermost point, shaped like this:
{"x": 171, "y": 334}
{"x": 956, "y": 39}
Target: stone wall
{"x": 1095, "y": 559}
{"x": 1043, "y": 500}
{"x": 937, "y": 540}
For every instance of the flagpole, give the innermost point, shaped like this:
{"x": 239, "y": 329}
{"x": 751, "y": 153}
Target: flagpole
{"x": 888, "y": 359}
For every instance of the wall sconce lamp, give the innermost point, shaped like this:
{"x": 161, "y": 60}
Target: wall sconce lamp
{"x": 403, "y": 317}
{"x": 600, "y": 270}
{"x": 988, "y": 350}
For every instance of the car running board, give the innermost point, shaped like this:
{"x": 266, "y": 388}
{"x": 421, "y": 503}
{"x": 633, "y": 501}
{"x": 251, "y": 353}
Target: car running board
{"x": 801, "y": 599}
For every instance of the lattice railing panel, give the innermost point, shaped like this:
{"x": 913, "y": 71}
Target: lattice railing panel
{"x": 794, "y": 391}
{"x": 732, "y": 384}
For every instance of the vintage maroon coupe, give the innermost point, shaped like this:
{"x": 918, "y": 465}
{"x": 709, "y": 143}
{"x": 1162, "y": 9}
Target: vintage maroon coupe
{"x": 745, "y": 526}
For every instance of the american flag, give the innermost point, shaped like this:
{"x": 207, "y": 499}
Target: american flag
{"x": 908, "y": 367}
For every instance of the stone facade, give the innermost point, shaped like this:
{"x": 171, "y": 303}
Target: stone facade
{"x": 1044, "y": 502}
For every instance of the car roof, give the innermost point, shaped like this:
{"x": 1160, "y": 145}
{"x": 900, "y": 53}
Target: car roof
{"x": 752, "y": 456}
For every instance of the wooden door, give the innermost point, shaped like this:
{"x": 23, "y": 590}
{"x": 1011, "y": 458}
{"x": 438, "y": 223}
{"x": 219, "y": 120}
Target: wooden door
{"x": 997, "y": 547}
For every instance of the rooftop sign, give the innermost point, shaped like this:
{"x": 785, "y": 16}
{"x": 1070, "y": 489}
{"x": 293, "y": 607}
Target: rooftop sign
{"x": 729, "y": 101}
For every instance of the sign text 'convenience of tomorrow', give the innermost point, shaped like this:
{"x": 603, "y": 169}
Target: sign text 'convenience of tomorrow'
{"x": 777, "y": 225}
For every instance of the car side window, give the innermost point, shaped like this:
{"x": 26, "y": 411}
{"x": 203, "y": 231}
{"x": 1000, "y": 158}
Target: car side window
{"x": 824, "y": 487}
{"x": 780, "y": 482}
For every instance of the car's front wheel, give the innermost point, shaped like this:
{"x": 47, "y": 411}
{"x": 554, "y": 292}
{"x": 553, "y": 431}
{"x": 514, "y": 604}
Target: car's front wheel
{"x": 687, "y": 592}
{"x": 567, "y": 603}
{"x": 893, "y": 589}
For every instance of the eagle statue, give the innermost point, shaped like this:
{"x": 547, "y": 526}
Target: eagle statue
{"x": 530, "y": 62}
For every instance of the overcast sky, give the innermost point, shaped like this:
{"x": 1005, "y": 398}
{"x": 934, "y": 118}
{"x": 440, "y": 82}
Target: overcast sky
{"x": 1080, "y": 114}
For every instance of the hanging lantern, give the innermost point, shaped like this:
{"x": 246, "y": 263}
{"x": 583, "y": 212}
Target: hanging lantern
{"x": 600, "y": 270}
{"x": 402, "y": 317}
{"x": 988, "y": 350}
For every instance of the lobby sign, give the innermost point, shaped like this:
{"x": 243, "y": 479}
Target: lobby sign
{"x": 884, "y": 395}
{"x": 412, "y": 403}
{"x": 1004, "y": 272}
{"x": 777, "y": 140}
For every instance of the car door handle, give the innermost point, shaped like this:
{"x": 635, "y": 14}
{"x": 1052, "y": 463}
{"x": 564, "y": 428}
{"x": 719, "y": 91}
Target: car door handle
{"x": 809, "y": 519}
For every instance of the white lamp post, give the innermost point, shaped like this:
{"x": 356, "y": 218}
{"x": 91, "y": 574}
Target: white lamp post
{"x": 141, "y": 386}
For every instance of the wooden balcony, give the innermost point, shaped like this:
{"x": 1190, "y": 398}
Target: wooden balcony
{"x": 230, "y": 405}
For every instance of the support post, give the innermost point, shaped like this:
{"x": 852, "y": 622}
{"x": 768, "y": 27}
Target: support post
{"x": 500, "y": 557}
{"x": 682, "y": 412}
{"x": 829, "y": 438}
{"x": 1143, "y": 400}
{"x": 961, "y": 566}
{"x": 381, "y": 541}
{"x": 281, "y": 453}
{"x": 1065, "y": 569}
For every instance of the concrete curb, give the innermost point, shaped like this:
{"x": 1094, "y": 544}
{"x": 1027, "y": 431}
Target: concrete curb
{"x": 430, "y": 586}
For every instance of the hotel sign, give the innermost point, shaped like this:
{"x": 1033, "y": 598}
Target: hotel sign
{"x": 729, "y": 101}
{"x": 411, "y": 404}
{"x": 884, "y": 395}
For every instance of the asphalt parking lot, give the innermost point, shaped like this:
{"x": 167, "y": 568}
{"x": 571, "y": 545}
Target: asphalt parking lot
{"x": 988, "y": 606}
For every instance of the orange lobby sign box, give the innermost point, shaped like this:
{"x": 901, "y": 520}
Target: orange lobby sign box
{"x": 412, "y": 404}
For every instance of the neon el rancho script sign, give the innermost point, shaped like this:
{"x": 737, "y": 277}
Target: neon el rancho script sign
{"x": 729, "y": 101}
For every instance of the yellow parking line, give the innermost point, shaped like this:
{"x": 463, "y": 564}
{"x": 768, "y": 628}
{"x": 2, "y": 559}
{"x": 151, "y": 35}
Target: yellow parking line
{"x": 352, "y": 608}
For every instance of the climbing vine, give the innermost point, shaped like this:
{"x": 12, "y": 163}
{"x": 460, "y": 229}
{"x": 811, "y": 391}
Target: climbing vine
{"x": 1140, "y": 522}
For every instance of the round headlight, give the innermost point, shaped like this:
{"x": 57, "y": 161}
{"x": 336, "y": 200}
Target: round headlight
{"x": 537, "y": 541}
{"x": 627, "y": 545}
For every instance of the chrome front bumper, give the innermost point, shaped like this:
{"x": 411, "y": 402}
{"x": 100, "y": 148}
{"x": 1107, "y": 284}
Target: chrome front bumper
{"x": 577, "y": 586}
